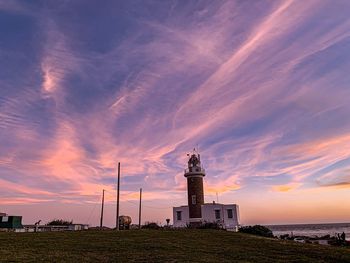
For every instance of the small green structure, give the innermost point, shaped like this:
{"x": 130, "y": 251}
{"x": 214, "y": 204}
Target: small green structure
{"x": 11, "y": 222}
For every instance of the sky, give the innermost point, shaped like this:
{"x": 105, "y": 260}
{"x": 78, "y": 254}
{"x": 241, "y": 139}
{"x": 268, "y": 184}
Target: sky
{"x": 260, "y": 88}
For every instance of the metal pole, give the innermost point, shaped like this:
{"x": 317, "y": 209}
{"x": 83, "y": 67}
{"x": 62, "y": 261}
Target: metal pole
{"x": 103, "y": 203}
{"x": 118, "y": 185}
{"x": 223, "y": 216}
{"x": 140, "y": 209}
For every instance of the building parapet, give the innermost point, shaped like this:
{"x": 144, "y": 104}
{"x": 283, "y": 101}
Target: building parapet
{"x": 194, "y": 170}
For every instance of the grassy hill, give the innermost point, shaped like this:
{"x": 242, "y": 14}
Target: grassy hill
{"x": 160, "y": 246}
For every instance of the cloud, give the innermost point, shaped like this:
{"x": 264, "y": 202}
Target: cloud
{"x": 338, "y": 185}
{"x": 58, "y": 61}
{"x": 285, "y": 188}
{"x": 262, "y": 88}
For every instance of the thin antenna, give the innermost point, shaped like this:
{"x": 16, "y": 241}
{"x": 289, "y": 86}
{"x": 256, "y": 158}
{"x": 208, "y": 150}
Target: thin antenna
{"x": 199, "y": 157}
{"x": 103, "y": 203}
{"x": 140, "y": 208}
{"x": 118, "y": 186}
{"x": 217, "y": 197}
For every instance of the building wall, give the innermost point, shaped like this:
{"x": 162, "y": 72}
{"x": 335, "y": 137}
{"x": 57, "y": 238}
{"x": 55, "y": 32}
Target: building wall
{"x": 50, "y": 228}
{"x": 11, "y": 222}
{"x": 208, "y": 215}
{"x": 195, "y": 191}
{"x": 185, "y": 216}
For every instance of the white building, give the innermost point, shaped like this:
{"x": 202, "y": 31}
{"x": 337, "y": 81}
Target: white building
{"x": 226, "y": 215}
{"x": 197, "y": 212}
{"x": 53, "y": 228}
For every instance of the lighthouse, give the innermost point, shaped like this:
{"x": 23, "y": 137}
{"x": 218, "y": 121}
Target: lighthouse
{"x": 198, "y": 213}
{"x": 194, "y": 174}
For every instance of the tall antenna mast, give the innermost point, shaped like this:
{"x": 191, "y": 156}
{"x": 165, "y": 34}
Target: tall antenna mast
{"x": 140, "y": 208}
{"x": 118, "y": 186}
{"x": 103, "y": 203}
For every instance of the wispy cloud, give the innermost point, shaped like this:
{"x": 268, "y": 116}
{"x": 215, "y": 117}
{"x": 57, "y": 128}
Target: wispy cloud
{"x": 262, "y": 88}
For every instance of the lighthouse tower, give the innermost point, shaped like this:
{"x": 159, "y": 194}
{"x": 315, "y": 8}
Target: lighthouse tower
{"x": 194, "y": 174}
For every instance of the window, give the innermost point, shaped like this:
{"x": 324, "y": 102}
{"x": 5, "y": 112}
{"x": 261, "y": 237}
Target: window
{"x": 193, "y": 199}
{"x": 229, "y": 213}
{"x": 217, "y": 214}
{"x": 178, "y": 215}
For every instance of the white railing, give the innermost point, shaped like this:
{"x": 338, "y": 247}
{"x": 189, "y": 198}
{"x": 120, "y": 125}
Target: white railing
{"x": 195, "y": 170}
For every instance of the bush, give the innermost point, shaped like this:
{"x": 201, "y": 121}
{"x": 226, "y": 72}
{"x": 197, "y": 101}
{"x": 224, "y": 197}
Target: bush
{"x": 209, "y": 225}
{"x": 59, "y": 222}
{"x": 285, "y": 236}
{"x": 256, "y": 230}
{"x": 150, "y": 225}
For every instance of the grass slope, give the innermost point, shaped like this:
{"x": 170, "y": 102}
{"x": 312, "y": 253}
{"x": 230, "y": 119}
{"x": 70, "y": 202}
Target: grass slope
{"x": 160, "y": 246}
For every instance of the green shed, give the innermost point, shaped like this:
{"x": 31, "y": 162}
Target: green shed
{"x": 11, "y": 222}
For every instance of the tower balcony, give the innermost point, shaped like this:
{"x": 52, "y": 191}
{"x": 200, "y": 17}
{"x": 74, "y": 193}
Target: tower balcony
{"x": 195, "y": 170}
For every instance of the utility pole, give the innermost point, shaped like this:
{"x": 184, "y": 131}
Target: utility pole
{"x": 140, "y": 209}
{"x": 103, "y": 203}
{"x": 118, "y": 185}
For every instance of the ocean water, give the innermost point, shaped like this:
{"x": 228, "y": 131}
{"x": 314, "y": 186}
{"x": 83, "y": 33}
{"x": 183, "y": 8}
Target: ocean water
{"x": 312, "y": 229}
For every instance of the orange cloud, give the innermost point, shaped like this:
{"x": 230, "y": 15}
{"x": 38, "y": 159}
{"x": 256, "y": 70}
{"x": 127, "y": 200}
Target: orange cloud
{"x": 285, "y": 187}
{"x": 230, "y": 184}
{"x": 340, "y": 185}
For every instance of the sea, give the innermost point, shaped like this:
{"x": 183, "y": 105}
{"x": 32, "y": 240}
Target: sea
{"x": 311, "y": 229}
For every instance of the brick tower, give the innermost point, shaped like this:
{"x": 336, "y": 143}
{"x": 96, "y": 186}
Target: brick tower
{"x": 194, "y": 174}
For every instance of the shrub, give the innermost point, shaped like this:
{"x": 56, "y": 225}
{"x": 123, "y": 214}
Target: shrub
{"x": 210, "y": 225}
{"x": 285, "y": 236}
{"x": 256, "y": 230}
{"x": 59, "y": 222}
{"x": 150, "y": 225}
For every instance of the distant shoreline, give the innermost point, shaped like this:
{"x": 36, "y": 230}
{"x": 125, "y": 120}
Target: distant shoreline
{"x": 305, "y": 224}
{"x": 311, "y": 229}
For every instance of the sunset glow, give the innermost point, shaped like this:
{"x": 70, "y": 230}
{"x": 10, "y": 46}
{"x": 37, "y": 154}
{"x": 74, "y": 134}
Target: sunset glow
{"x": 260, "y": 88}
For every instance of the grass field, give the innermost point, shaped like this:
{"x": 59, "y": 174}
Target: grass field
{"x": 160, "y": 246}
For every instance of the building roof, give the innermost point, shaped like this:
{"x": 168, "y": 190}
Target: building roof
{"x": 208, "y": 204}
